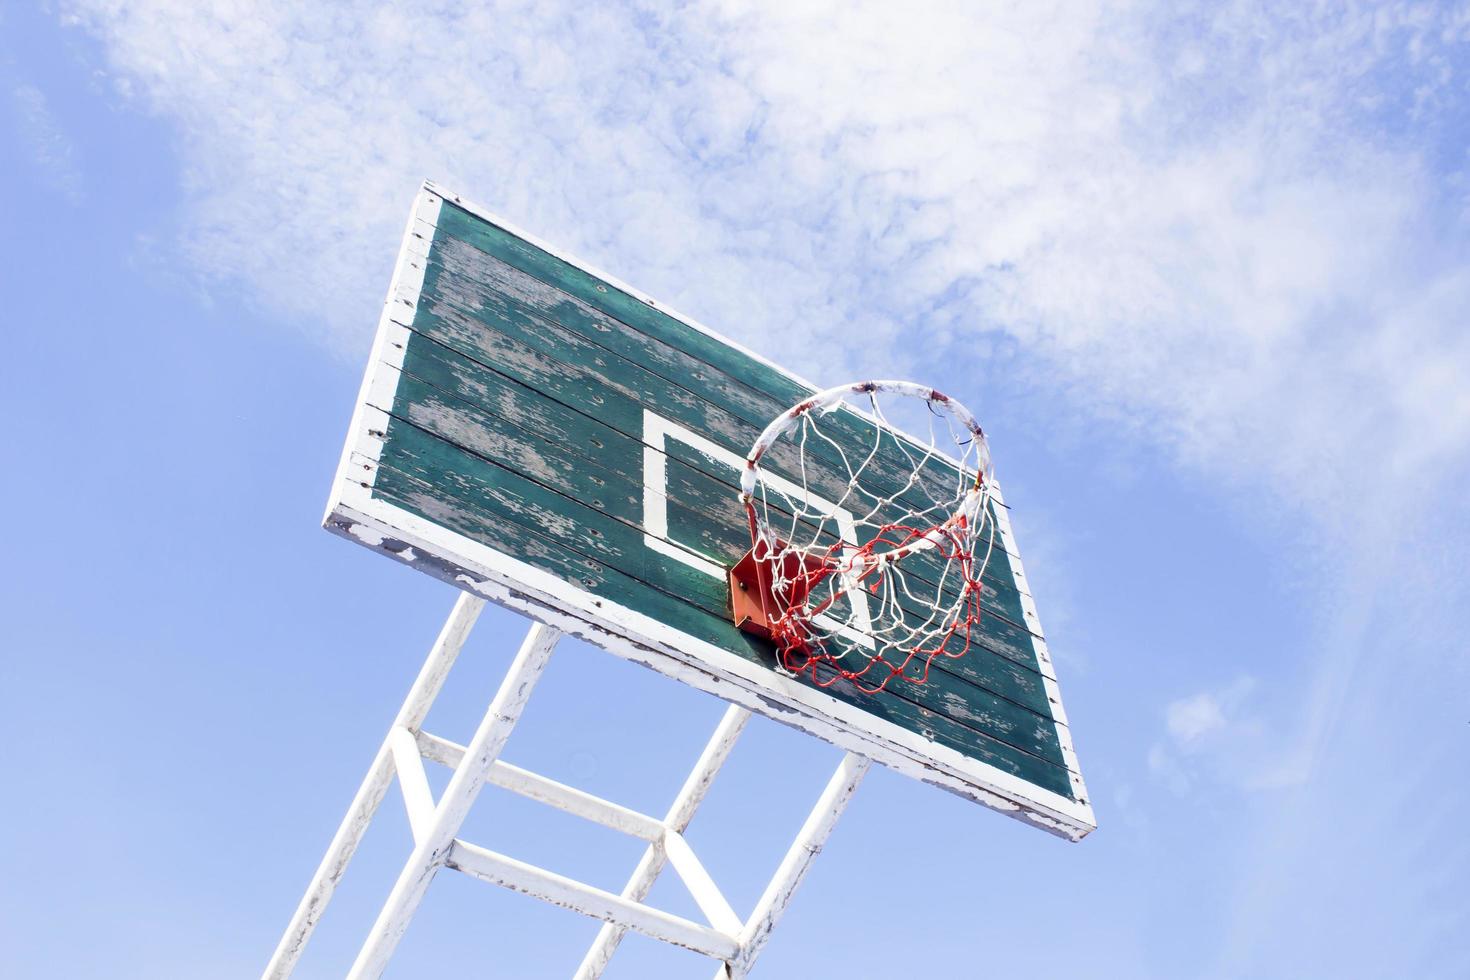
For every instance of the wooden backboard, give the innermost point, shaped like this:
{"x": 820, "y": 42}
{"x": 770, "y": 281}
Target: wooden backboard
{"x": 535, "y": 432}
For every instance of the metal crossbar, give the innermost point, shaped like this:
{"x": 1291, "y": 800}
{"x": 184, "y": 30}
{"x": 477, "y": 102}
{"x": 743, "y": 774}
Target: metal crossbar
{"x": 551, "y": 887}
{"x": 435, "y": 827}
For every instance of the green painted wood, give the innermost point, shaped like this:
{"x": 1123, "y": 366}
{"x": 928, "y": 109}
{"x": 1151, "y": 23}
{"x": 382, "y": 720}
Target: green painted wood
{"x": 626, "y": 324}
{"x": 456, "y": 372}
{"x": 499, "y": 493}
{"x": 538, "y": 353}
{"x": 552, "y": 447}
{"x": 584, "y": 376}
{"x": 550, "y": 463}
{"x": 428, "y": 500}
{"x": 531, "y": 309}
{"x": 444, "y": 484}
{"x": 518, "y": 423}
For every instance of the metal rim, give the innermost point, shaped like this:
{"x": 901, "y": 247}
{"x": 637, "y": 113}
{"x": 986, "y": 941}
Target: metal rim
{"x": 831, "y": 397}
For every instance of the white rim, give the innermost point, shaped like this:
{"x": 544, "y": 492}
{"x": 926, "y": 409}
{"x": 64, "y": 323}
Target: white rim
{"x": 824, "y": 401}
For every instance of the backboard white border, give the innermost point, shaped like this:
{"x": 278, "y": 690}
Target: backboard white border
{"x": 353, "y": 512}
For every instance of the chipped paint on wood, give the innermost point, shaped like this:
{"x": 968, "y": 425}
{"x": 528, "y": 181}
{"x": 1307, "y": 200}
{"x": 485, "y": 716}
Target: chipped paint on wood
{"x": 649, "y": 643}
{"x": 713, "y": 525}
{"x": 489, "y": 504}
{"x": 539, "y": 509}
{"x": 478, "y": 402}
{"x": 485, "y": 291}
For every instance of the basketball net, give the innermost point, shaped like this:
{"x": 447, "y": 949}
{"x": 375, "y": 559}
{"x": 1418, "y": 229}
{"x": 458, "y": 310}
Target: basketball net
{"x": 868, "y": 547}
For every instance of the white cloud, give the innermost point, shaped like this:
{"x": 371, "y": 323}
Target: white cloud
{"x": 1219, "y": 736}
{"x": 1213, "y": 226}
{"x": 1190, "y": 719}
{"x": 1198, "y": 220}
{"x": 1236, "y": 229}
{"x": 1204, "y": 231}
{"x": 50, "y": 149}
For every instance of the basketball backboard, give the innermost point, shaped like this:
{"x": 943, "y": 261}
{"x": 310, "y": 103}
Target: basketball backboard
{"x": 534, "y": 432}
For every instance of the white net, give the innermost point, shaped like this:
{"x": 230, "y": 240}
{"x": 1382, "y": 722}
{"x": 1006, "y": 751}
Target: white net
{"x": 871, "y": 545}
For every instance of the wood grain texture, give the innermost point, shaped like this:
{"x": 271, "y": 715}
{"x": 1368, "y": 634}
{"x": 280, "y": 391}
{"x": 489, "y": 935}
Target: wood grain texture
{"x": 670, "y": 364}
{"x": 582, "y": 379}
{"x": 516, "y": 418}
{"x": 488, "y": 503}
{"x": 557, "y": 445}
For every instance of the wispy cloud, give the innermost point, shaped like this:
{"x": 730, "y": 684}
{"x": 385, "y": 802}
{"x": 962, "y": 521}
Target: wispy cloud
{"x": 306, "y": 131}
{"x": 1220, "y": 736}
{"x": 1191, "y": 719}
{"x": 1199, "y": 220}
{"x": 1236, "y": 230}
{"x": 1204, "y": 222}
{"x": 50, "y": 149}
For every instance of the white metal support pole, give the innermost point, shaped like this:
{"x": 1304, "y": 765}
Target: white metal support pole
{"x": 370, "y": 794}
{"x": 436, "y": 827}
{"x": 690, "y": 796}
{"x": 794, "y": 866}
{"x": 469, "y": 777}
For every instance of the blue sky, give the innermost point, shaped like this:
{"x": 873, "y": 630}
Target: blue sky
{"x": 1201, "y": 272}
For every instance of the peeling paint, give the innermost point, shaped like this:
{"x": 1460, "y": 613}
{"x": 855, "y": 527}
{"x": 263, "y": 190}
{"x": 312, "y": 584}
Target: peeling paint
{"x": 478, "y": 295}
{"x": 366, "y": 535}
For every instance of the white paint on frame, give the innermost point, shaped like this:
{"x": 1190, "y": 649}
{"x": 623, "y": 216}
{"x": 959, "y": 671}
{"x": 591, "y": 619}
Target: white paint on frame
{"x": 354, "y": 512}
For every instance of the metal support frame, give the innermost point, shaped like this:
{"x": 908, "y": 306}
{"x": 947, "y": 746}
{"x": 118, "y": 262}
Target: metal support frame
{"x": 435, "y": 826}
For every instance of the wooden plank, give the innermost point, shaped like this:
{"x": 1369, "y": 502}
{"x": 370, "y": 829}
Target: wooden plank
{"x": 581, "y": 481}
{"x": 508, "y": 497}
{"x": 884, "y": 476}
{"x": 482, "y": 287}
{"x": 482, "y": 368}
{"x": 546, "y": 358}
{"x": 563, "y": 463}
{"x": 640, "y": 636}
{"x": 476, "y": 498}
{"x": 623, "y": 323}
{"x": 605, "y": 582}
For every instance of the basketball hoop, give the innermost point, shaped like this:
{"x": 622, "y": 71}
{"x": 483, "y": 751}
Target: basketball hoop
{"x": 861, "y": 571}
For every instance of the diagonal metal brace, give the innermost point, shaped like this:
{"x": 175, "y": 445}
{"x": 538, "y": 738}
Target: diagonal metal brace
{"x": 435, "y": 826}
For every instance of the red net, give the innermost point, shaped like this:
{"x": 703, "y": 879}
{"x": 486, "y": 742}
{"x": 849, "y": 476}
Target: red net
{"x": 882, "y": 576}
